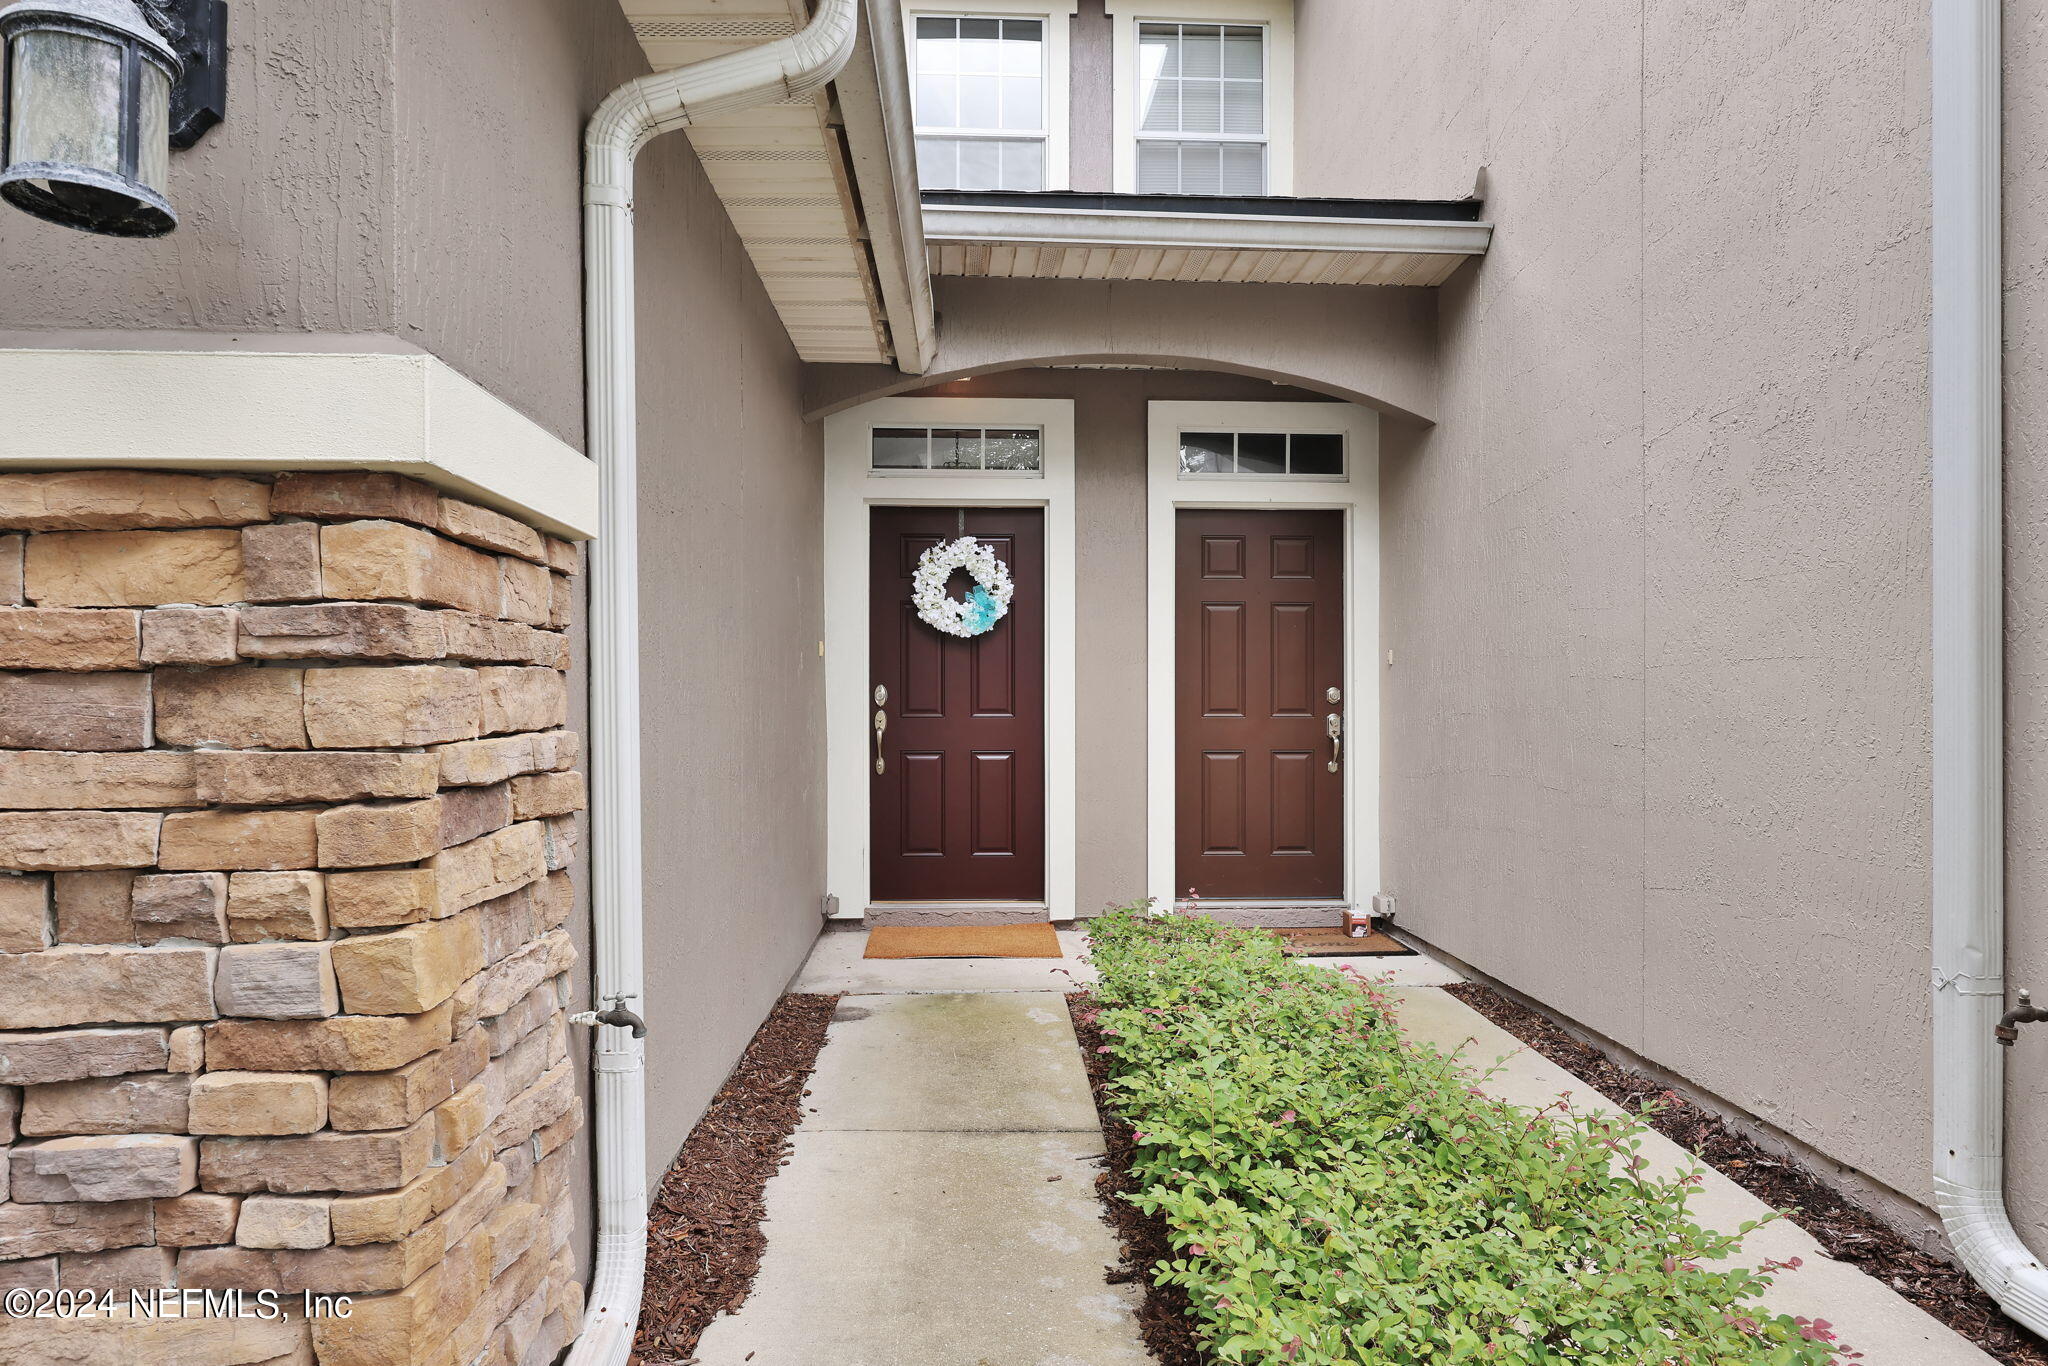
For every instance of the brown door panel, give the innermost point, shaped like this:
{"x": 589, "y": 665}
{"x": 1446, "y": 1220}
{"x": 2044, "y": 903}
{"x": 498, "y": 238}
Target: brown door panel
{"x": 958, "y": 812}
{"x": 1259, "y": 639}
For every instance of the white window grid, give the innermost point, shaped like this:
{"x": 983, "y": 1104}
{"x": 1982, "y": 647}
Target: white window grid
{"x": 1238, "y": 93}
{"x": 1019, "y": 148}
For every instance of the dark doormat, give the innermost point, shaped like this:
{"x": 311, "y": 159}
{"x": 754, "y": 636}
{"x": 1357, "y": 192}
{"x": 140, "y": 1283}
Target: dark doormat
{"x": 1326, "y": 942}
{"x": 1035, "y": 939}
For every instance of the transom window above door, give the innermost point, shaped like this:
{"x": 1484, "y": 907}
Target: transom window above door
{"x": 1262, "y": 454}
{"x": 1201, "y": 94}
{"x": 1009, "y": 450}
{"x": 980, "y": 102}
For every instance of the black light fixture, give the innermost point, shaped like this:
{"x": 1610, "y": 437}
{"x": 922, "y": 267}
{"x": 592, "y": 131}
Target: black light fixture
{"x": 93, "y": 96}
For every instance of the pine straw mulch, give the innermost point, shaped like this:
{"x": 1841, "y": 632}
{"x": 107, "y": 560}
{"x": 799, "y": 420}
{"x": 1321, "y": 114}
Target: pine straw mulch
{"x": 704, "y": 1239}
{"x": 1163, "y": 1316}
{"x": 1849, "y": 1234}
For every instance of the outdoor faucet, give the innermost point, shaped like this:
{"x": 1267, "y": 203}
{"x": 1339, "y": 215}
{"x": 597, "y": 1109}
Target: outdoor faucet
{"x": 2026, "y": 1012}
{"x": 623, "y": 1018}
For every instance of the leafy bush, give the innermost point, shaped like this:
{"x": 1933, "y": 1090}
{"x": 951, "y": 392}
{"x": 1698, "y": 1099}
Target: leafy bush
{"x": 1341, "y": 1194}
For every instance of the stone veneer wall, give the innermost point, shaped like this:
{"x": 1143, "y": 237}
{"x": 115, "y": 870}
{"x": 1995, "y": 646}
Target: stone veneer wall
{"x": 285, "y": 807}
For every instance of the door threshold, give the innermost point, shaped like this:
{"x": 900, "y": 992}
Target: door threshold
{"x": 955, "y": 912}
{"x": 1268, "y": 912}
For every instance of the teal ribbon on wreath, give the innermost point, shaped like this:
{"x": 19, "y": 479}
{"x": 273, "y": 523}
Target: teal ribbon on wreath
{"x": 982, "y": 610}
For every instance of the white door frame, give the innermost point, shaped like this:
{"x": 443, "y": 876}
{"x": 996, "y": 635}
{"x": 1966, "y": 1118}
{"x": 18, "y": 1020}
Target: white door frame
{"x": 1357, "y": 495}
{"x": 851, "y": 489}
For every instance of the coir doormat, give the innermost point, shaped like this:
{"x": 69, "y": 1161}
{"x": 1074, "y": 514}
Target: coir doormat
{"x": 1032, "y": 940}
{"x": 1323, "y": 942}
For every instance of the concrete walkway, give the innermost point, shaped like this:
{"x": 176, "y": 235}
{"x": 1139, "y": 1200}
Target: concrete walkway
{"x": 939, "y": 1207}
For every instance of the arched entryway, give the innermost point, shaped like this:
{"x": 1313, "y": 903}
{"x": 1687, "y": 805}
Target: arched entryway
{"x": 1124, "y": 769}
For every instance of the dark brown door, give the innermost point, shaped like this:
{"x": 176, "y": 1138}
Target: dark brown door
{"x": 959, "y": 806}
{"x": 1259, "y": 642}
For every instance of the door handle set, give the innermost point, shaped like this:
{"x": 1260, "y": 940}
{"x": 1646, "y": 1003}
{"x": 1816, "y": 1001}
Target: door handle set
{"x": 1334, "y": 724}
{"x": 881, "y": 724}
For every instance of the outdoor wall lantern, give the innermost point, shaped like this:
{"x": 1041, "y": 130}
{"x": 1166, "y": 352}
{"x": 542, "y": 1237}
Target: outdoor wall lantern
{"x": 93, "y": 96}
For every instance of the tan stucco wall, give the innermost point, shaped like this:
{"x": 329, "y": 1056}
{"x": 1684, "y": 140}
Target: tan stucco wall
{"x": 286, "y": 208}
{"x": 1109, "y": 553}
{"x": 1656, "y": 730}
{"x": 403, "y": 172}
{"x": 731, "y": 521}
{"x": 1091, "y": 160}
{"x": 1370, "y": 346}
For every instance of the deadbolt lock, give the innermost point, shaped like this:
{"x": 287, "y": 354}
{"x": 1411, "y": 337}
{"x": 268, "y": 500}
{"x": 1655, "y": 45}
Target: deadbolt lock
{"x": 1334, "y": 695}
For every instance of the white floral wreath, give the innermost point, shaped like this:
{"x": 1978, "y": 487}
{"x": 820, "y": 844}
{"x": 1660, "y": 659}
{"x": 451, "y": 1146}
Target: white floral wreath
{"x": 985, "y": 603}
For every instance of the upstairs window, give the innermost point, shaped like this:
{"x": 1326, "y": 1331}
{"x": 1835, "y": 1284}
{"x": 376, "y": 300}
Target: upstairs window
{"x": 1201, "y": 126}
{"x": 980, "y": 101}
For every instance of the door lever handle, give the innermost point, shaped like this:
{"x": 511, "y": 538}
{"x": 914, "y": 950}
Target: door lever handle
{"x": 1334, "y": 724}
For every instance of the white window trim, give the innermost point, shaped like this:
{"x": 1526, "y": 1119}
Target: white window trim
{"x": 851, "y": 489}
{"x": 1056, "y": 15}
{"x": 1357, "y": 496}
{"x": 1276, "y": 16}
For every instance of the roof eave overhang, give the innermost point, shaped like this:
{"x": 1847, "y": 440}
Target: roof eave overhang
{"x": 1214, "y": 232}
{"x": 822, "y": 191}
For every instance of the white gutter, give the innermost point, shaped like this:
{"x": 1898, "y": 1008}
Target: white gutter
{"x": 789, "y": 68}
{"x": 1211, "y": 231}
{"x": 874, "y": 99}
{"x": 1969, "y": 647}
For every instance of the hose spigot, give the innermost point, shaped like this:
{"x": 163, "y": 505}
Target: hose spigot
{"x": 2026, "y": 1012}
{"x": 618, "y": 1016}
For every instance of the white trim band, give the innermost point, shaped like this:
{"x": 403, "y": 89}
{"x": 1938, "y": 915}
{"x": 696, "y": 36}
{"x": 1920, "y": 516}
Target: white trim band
{"x": 260, "y": 411}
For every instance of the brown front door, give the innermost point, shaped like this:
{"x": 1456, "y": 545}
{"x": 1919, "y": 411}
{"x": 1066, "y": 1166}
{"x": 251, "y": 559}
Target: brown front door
{"x": 1259, "y": 642}
{"x": 958, "y": 809}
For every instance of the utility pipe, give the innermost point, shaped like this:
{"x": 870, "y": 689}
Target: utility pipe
{"x": 789, "y": 69}
{"x": 1969, "y": 648}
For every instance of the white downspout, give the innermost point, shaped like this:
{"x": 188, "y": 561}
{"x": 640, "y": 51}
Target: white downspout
{"x": 1969, "y": 648}
{"x": 791, "y": 68}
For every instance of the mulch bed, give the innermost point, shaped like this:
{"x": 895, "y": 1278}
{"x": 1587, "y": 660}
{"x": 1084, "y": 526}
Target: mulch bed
{"x": 1163, "y": 1317}
{"x": 1849, "y": 1233}
{"x": 704, "y": 1239}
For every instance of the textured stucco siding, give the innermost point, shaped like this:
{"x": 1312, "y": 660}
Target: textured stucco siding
{"x": 402, "y": 172}
{"x": 1656, "y": 743}
{"x": 1091, "y": 157}
{"x": 731, "y": 518}
{"x": 286, "y": 209}
{"x": 1370, "y": 346}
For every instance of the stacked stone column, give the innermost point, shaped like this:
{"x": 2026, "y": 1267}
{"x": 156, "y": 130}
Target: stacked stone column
{"x": 286, "y": 808}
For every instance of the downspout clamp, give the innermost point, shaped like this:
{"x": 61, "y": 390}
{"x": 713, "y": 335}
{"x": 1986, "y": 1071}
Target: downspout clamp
{"x": 1969, "y": 649}
{"x": 789, "y": 69}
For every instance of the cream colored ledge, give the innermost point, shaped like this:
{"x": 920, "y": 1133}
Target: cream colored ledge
{"x": 262, "y": 411}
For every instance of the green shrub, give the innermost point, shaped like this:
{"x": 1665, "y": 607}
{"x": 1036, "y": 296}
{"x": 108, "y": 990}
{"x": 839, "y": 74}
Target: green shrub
{"x": 1340, "y": 1194}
